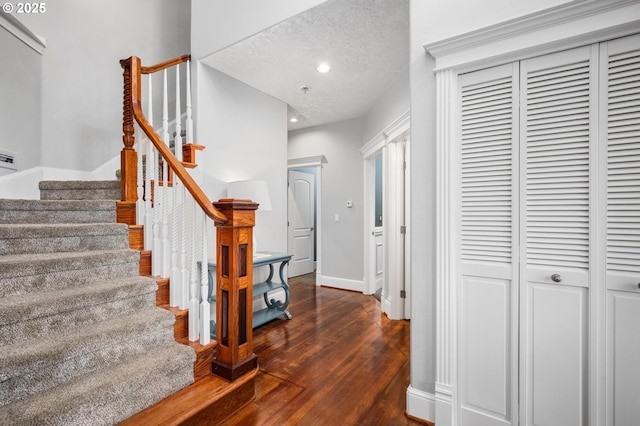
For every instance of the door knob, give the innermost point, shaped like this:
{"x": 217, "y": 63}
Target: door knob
{"x": 638, "y": 285}
{"x": 556, "y": 278}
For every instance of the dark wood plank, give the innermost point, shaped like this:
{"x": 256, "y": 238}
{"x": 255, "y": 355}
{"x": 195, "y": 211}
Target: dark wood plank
{"x": 338, "y": 361}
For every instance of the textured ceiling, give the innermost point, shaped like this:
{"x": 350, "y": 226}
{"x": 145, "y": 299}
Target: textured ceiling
{"x": 365, "y": 41}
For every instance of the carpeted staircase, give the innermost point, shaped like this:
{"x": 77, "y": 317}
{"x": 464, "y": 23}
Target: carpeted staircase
{"x": 81, "y": 339}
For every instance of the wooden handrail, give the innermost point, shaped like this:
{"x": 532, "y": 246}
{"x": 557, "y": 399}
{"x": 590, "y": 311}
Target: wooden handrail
{"x": 133, "y": 107}
{"x": 166, "y": 64}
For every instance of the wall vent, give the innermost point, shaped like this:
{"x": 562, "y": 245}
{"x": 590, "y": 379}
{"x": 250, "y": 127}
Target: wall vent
{"x": 8, "y": 160}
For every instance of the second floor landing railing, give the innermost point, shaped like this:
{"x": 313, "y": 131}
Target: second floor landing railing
{"x": 175, "y": 212}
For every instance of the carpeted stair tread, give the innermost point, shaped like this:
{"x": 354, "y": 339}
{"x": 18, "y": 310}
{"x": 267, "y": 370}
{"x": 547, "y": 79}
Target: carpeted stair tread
{"x": 23, "y": 273}
{"x": 79, "y": 184}
{"x": 57, "y": 211}
{"x": 80, "y": 190}
{"x": 46, "y": 312}
{"x": 59, "y": 350}
{"x": 47, "y": 238}
{"x": 81, "y": 340}
{"x": 107, "y": 396}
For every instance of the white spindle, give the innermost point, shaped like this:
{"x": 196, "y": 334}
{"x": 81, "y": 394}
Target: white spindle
{"x": 194, "y": 324}
{"x": 178, "y": 138}
{"x": 156, "y": 254}
{"x": 189, "y": 121}
{"x": 176, "y": 276}
{"x": 166, "y": 246}
{"x": 148, "y": 210}
{"x": 184, "y": 272}
{"x": 174, "y": 281}
{"x": 205, "y": 307}
{"x": 149, "y": 178}
{"x": 140, "y": 207}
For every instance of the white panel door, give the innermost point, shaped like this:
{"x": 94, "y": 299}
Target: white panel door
{"x": 301, "y": 222}
{"x": 621, "y": 80}
{"x": 488, "y": 292}
{"x": 557, "y": 111}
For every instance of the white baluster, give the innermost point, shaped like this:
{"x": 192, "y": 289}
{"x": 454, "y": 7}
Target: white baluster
{"x": 205, "y": 307}
{"x": 189, "y": 120}
{"x": 148, "y": 209}
{"x": 140, "y": 207}
{"x": 149, "y": 178}
{"x": 156, "y": 262}
{"x": 175, "y": 280}
{"x": 156, "y": 254}
{"x": 176, "y": 283}
{"x": 178, "y": 138}
{"x": 184, "y": 272}
{"x": 166, "y": 246}
{"x": 194, "y": 323}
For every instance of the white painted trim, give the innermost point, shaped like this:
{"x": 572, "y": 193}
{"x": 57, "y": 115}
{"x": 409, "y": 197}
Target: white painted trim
{"x": 447, "y": 252}
{"x": 369, "y": 224}
{"x": 444, "y": 409}
{"x": 306, "y": 162}
{"x": 385, "y": 304}
{"x": 393, "y": 131}
{"x": 385, "y": 143}
{"x": 341, "y": 283}
{"x": 22, "y": 33}
{"x": 574, "y": 24}
{"x": 301, "y": 162}
{"x": 421, "y": 404}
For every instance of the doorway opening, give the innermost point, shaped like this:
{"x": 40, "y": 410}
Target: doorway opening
{"x": 304, "y": 235}
{"x": 386, "y": 244}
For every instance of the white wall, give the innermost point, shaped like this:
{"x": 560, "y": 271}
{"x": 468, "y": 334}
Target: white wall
{"x": 217, "y": 24}
{"x": 422, "y": 205}
{"x": 448, "y": 18}
{"x": 342, "y": 250}
{"x": 82, "y": 78}
{"x": 20, "y": 95}
{"x": 245, "y": 132}
{"x": 392, "y": 104}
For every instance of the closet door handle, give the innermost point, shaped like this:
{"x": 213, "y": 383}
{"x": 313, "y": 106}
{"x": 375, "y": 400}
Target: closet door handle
{"x": 556, "y": 278}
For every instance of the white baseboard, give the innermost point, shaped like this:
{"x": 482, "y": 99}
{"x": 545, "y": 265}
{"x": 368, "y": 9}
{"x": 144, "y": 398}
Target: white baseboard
{"x": 341, "y": 283}
{"x": 386, "y": 304}
{"x": 421, "y": 404}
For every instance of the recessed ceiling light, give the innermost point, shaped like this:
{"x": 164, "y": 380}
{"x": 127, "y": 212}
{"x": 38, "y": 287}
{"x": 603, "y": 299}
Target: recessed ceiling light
{"x": 293, "y": 120}
{"x": 323, "y": 68}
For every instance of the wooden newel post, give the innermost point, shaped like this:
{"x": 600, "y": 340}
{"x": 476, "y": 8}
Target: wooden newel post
{"x": 128, "y": 156}
{"x": 234, "y": 289}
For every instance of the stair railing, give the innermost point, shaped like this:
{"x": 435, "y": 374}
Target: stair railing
{"x": 159, "y": 193}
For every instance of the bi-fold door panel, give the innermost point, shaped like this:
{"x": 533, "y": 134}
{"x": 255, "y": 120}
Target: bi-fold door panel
{"x": 549, "y": 170}
{"x": 620, "y": 81}
{"x": 488, "y": 322}
{"x": 557, "y": 133}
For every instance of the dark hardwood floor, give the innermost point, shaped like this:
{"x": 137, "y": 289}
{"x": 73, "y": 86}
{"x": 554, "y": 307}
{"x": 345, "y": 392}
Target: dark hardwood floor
{"x": 339, "y": 361}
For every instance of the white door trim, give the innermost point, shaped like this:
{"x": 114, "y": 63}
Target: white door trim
{"x": 316, "y": 161}
{"x": 384, "y": 142}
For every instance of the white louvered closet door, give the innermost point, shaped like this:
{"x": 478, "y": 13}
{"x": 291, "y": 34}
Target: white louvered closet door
{"x": 621, "y": 79}
{"x": 488, "y": 288}
{"x": 557, "y": 134}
